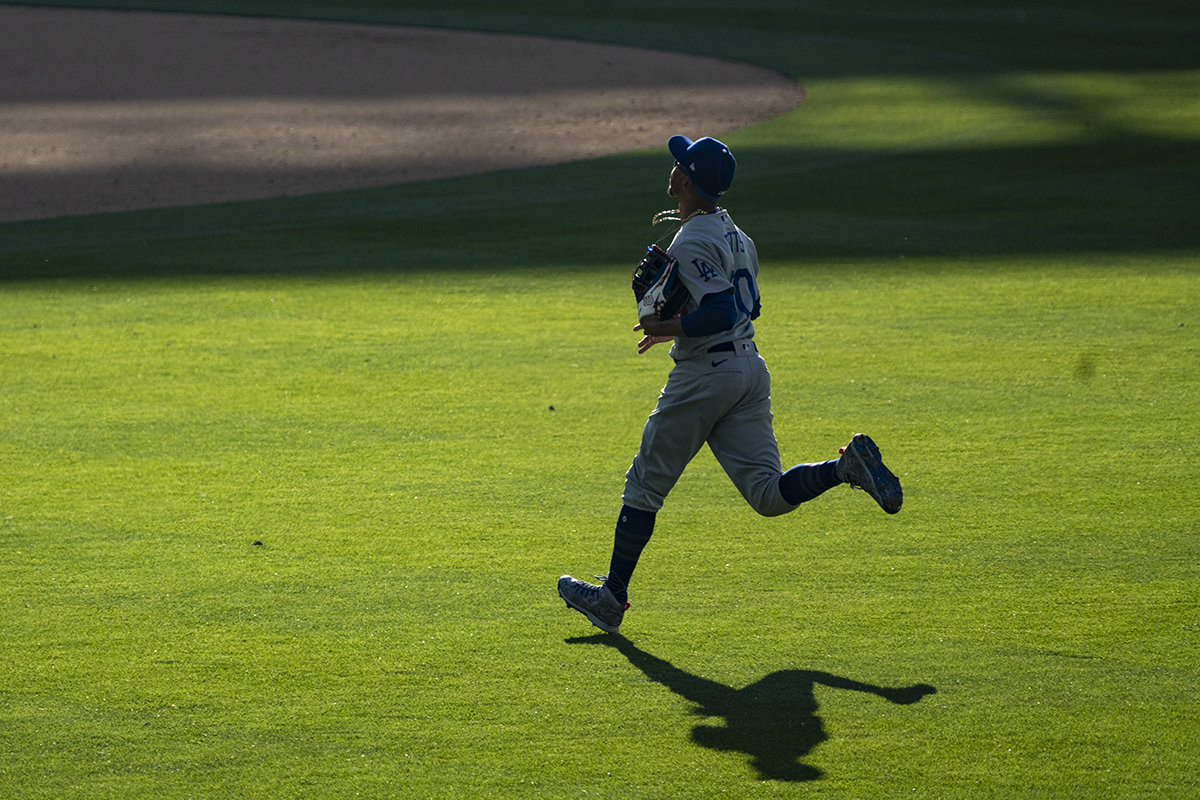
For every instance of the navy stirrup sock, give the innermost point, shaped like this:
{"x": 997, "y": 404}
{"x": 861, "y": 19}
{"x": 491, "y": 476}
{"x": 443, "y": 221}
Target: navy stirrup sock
{"x": 634, "y": 528}
{"x": 803, "y": 482}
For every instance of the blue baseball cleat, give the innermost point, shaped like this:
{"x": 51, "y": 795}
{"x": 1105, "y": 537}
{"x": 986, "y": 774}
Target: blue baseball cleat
{"x": 594, "y": 602}
{"x": 862, "y": 467}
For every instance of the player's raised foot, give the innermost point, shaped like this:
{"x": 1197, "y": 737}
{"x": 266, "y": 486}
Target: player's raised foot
{"x": 862, "y": 467}
{"x": 594, "y": 602}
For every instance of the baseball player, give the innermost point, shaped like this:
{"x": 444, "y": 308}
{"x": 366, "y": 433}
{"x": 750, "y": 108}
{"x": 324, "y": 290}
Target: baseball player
{"x": 719, "y": 391}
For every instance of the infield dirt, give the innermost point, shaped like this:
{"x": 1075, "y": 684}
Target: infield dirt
{"x": 115, "y": 111}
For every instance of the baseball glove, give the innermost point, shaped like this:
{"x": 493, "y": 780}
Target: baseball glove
{"x": 656, "y": 285}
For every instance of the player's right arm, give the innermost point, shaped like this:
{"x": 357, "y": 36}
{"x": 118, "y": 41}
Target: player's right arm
{"x": 649, "y": 341}
{"x": 717, "y": 313}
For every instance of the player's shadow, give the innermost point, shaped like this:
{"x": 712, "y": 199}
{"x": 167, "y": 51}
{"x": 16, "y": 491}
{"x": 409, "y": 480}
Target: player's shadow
{"x": 774, "y": 720}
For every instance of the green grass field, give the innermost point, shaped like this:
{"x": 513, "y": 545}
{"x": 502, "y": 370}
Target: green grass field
{"x": 285, "y": 486}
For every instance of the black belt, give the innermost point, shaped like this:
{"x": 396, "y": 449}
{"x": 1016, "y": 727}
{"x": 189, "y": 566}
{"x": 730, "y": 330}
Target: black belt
{"x": 727, "y": 347}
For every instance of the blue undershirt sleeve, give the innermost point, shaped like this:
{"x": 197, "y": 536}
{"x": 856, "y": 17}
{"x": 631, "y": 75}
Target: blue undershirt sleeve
{"x": 716, "y": 314}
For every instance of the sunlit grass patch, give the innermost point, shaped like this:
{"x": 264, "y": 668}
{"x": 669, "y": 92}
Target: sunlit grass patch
{"x": 896, "y": 113}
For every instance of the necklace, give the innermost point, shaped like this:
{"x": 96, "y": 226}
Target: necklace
{"x": 697, "y": 213}
{"x": 673, "y": 216}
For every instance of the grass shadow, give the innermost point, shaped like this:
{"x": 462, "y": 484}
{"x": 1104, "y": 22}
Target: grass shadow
{"x": 999, "y": 202}
{"x": 774, "y": 720}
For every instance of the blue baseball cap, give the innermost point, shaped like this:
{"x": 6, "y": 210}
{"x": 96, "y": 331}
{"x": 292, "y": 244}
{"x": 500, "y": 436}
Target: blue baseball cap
{"x": 707, "y": 162}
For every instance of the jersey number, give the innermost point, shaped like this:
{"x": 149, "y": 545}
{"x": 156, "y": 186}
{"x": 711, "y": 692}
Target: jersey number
{"x": 751, "y": 294}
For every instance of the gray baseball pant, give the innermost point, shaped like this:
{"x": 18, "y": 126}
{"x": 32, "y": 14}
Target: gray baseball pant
{"x": 723, "y": 399}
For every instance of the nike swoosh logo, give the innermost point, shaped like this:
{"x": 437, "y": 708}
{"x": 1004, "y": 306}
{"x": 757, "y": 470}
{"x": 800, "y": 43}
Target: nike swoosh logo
{"x": 719, "y": 363}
